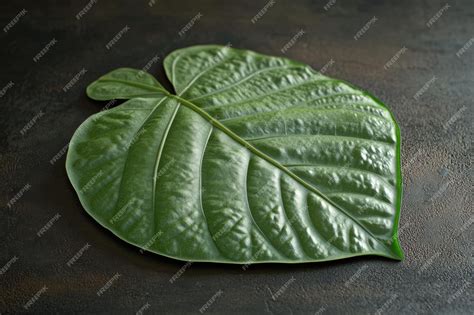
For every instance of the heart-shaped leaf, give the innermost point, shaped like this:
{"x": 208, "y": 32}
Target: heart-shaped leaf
{"x": 254, "y": 159}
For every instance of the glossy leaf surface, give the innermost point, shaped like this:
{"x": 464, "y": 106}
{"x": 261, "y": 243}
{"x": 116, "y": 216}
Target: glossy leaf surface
{"x": 254, "y": 159}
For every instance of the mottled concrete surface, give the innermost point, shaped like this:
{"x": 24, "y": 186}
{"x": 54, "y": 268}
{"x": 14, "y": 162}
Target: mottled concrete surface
{"x": 430, "y": 90}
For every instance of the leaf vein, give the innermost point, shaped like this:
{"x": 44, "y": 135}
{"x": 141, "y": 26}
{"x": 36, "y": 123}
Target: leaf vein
{"x": 157, "y": 162}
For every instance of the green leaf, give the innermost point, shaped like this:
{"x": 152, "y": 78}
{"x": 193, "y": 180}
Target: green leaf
{"x": 254, "y": 159}
{"x": 125, "y": 83}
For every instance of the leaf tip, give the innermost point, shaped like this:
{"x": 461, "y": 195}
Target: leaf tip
{"x": 89, "y": 90}
{"x": 396, "y": 251}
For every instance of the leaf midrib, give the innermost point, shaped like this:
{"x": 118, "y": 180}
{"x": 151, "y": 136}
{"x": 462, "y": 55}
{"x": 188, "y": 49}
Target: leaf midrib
{"x": 275, "y": 163}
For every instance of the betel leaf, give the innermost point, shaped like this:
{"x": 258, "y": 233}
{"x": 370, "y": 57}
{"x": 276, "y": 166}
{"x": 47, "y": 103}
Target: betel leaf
{"x": 254, "y": 159}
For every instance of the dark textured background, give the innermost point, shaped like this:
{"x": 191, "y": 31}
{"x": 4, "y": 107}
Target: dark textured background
{"x": 437, "y": 213}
